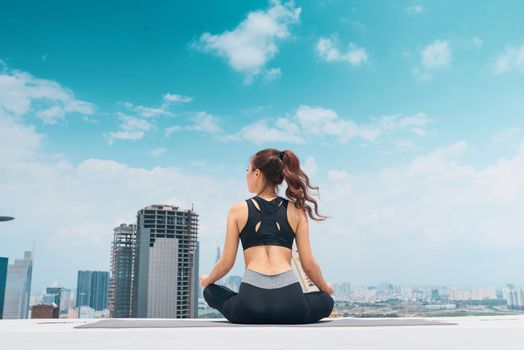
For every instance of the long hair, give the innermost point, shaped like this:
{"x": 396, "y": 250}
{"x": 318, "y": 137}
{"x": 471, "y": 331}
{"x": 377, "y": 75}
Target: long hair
{"x": 277, "y": 170}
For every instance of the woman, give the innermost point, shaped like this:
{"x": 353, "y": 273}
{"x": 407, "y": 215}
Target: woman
{"x": 266, "y": 225}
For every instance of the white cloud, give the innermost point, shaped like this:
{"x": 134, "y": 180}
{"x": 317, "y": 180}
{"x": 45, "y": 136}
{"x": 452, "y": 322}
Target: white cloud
{"x": 327, "y": 49}
{"x": 175, "y": 98}
{"x": 323, "y": 122}
{"x": 169, "y": 130}
{"x": 134, "y": 127}
{"x": 21, "y": 93}
{"x": 512, "y": 59}
{"x": 326, "y": 122}
{"x": 436, "y": 55}
{"x": 505, "y": 135}
{"x": 17, "y": 141}
{"x": 130, "y": 123}
{"x": 433, "y": 57}
{"x": 131, "y": 128}
{"x": 168, "y": 100}
{"x": 199, "y": 121}
{"x": 147, "y": 112}
{"x": 123, "y": 135}
{"x": 260, "y": 132}
{"x": 415, "y": 123}
{"x": 249, "y": 46}
{"x": 206, "y": 122}
{"x": 272, "y": 74}
{"x": 433, "y": 206}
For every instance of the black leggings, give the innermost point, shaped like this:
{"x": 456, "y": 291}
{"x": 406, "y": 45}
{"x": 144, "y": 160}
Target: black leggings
{"x": 284, "y": 305}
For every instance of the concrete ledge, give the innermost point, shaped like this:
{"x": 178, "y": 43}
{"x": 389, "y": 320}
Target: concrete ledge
{"x": 472, "y": 332}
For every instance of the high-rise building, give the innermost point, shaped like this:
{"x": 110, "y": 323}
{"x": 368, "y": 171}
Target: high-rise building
{"x": 233, "y": 282}
{"x": 165, "y": 280}
{"x": 220, "y": 280}
{"x": 66, "y": 297}
{"x": 514, "y": 297}
{"x": 120, "y": 285}
{"x": 197, "y": 290}
{"x": 52, "y": 295}
{"x": 92, "y": 289}
{"x": 18, "y": 288}
{"x": 3, "y": 280}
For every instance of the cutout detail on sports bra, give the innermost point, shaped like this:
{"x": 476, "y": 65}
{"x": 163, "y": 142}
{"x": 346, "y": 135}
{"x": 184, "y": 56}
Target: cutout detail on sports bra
{"x": 267, "y": 223}
{"x": 256, "y": 204}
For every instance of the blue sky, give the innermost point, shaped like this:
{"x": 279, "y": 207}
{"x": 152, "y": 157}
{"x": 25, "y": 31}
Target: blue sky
{"x": 408, "y": 115}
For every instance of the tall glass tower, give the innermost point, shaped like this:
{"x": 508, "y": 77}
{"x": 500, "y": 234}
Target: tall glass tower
{"x": 3, "y": 280}
{"x": 18, "y": 287}
{"x": 165, "y": 281}
{"x": 92, "y": 289}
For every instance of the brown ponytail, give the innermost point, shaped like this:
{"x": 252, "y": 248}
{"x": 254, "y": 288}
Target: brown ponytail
{"x": 279, "y": 166}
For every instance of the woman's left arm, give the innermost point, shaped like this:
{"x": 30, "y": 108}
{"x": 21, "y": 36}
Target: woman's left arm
{"x": 226, "y": 262}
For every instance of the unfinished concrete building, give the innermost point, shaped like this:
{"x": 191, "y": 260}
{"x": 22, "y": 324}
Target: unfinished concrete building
{"x": 165, "y": 279}
{"x": 122, "y": 259}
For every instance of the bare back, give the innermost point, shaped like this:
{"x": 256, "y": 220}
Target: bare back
{"x": 268, "y": 259}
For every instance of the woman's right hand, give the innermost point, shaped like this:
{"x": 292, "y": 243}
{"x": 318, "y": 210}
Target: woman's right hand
{"x": 328, "y": 289}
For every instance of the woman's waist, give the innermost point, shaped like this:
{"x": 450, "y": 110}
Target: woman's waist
{"x": 268, "y": 264}
{"x": 269, "y": 281}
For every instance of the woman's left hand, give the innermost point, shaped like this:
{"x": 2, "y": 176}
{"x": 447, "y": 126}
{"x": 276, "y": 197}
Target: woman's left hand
{"x": 203, "y": 281}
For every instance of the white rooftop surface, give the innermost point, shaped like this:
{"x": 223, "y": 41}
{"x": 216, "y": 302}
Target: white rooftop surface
{"x": 475, "y": 332}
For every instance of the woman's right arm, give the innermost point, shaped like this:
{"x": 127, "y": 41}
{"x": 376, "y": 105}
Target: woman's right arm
{"x": 308, "y": 262}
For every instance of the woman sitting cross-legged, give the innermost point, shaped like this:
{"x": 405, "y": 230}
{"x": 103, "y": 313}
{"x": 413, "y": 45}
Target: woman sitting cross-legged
{"x": 267, "y": 226}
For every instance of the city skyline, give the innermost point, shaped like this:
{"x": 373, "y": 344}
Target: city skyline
{"x": 408, "y": 116}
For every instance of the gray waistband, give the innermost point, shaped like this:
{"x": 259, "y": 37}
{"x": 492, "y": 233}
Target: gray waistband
{"x": 262, "y": 280}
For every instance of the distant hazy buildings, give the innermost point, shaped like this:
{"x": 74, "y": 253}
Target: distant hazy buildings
{"x": 232, "y": 282}
{"x": 122, "y": 258}
{"x": 514, "y": 297}
{"x": 44, "y": 311}
{"x": 342, "y": 290}
{"x": 439, "y": 306}
{"x": 92, "y": 289}
{"x": 52, "y": 295}
{"x": 66, "y": 300}
{"x": 220, "y": 280}
{"x": 165, "y": 277}
{"x": 18, "y": 287}
{"x": 3, "y": 280}
{"x": 480, "y": 293}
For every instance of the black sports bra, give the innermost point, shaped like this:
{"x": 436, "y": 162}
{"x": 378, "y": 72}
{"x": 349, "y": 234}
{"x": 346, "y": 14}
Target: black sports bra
{"x": 274, "y": 228}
